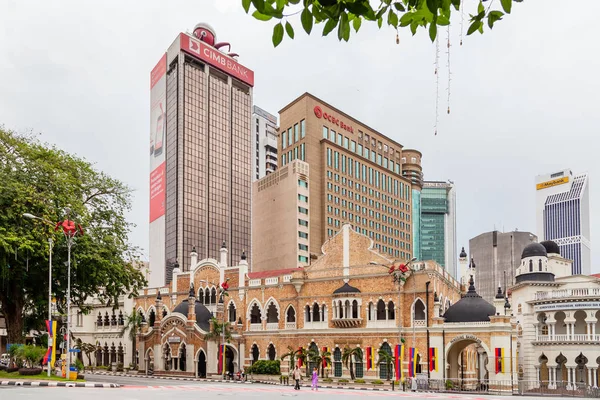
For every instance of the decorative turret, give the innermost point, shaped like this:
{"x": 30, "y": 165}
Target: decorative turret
{"x": 224, "y": 251}
{"x": 191, "y": 305}
{"x": 463, "y": 273}
{"x": 159, "y": 306}
{"x": 193, "y": 258}
{"x": 499, "y": 302}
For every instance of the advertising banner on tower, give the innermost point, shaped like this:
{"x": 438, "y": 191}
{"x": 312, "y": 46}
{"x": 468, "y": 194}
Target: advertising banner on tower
{"x": 158, "y": 125}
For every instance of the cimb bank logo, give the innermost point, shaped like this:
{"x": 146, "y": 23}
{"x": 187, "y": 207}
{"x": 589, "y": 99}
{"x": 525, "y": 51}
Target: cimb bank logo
{"x": 318, "y": 111}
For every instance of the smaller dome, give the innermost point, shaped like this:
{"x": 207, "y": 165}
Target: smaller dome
{"x": 463, "y": 253}
{"x": 471, "y": 308}
{"x": 534, "y": 250}
{"x": 346, "y": 289}
{"x": 499, "y": 295}
{"x": 551, "y": 247}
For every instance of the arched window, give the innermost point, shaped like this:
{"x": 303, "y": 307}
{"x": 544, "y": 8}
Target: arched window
{"x": 164, "y": 312}
{"x": 207, "y": 296}
{"x": 316, "y": 313}
{"x": 271, "y": 352}
{"x": 391, "y": 313}
{"x": 347, "y": 309}
{"x": 232, "y": 313}
{"x": 151, "y": 318}
{"x": 213, "y": 296}
{"x": 530, "y": 265}
{"x": 307, "y": 313}
{"x": 355, "y": 309}
{"x": 255, "y": 353}
{"x": 419, "y": 310}
{"x": 540, "y": 264}
{"x": 340, "y": 309}
{"x": 272, "y": 315}
{"x": 255, "y": 314}
{"x": 337, "y": 362}
{"x": 381, "y": 314}
{"x": 383, "y": 367}
{"x": 370, "y": 312}
{"x": 201, "y": 296}
{"x": 313, "y": 350}
{"x": 290, "y": 315}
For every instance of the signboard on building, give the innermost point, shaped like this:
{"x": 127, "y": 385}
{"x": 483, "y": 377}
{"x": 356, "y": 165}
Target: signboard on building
{"x": 553, "y": 182}
{"x": 568, "y": 306}
{"x": 174, "y": 339}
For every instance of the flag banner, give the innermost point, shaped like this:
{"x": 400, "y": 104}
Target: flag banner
{"x": 369, "y": 354}
{"x": 299, "y": 359}
{"x": 398, "y": 356}
{"x": 221, "y": 359}
{"x": 323, "y": 351}
{"x": 412, "y": 366}
{"x": 499, "y": 360}
{"x": 51, "y": 354}
{"x": 433, "y": 359}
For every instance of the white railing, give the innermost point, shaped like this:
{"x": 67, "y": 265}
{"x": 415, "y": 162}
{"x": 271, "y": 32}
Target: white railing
{"x": 562, "y": 293}
{"x": 287, "y": 278}
{"x": 290, "y": 325}
{"x": 390, "y": 323}
{"x": 478, "y": 323}
{"x": 316, "y": 325}
{"x": 272, "y": 281}
{"x": 419, "y": 323}
{"x": 272, "y": 326}
{"x": 256, "y": 327}
{"x": 579, "y": 337}
{"x": 254, "y": 282}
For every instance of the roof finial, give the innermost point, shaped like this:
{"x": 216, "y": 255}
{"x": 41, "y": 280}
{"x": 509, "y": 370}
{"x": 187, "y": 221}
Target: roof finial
{"x": 223, "y": 245}
{"x": 471, "y": 284}
{"x": 243, "y": 255}
{"x": 158, "y": 296}
{"x": 499, "y": 295}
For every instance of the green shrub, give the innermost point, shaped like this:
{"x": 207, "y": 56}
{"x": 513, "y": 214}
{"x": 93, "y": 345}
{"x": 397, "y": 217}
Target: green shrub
{"x": 328, "y": 380}
{"x": 359, "y": 381}
{"x": 343, "y": 381}
{"x": 377, "y": 382}
{"x": 79, "y": 365}
{"x": 120, "y": 367}
{"x": 265, "y": 367}
{"x": 449, "y": 385}
{"x": 30, "y": 371}
{"x": 32, "y": 355}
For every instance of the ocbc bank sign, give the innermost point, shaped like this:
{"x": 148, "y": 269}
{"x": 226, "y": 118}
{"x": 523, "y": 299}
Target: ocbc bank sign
{"x": 335, "y": 121}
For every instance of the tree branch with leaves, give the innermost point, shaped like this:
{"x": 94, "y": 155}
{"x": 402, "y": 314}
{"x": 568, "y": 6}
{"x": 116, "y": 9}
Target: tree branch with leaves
{"x": 345, "y": 15}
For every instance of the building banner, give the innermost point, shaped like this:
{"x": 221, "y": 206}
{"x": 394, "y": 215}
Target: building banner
{"x": 51, "y": 353}
{"x": 158, "y": 124}
{"x": 412, "y": 365}
{"x": 499, "y": 360}
{"x": 299, "y": 359}
{"x": 433, "y": 359}
{"x": 369, "y": 355}
{"x": 398, "y": 357}
{"x": 324, "y": 350}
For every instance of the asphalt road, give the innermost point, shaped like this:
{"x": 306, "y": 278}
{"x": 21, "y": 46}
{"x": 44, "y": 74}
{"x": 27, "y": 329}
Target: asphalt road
{"x": 154, "y": 389}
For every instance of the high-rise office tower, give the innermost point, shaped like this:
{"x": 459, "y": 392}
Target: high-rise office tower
{"x": 497, "y": 256}
{"x": 563, "y": 215}
{"x": 201, "y": 168}
{"x": 264, "y": 142}
{"x": 355, "y": 177}
{"x": 438, "y": 225}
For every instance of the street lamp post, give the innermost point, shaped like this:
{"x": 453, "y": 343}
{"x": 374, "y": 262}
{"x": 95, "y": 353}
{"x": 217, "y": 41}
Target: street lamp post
{"x": 50, "y": 243}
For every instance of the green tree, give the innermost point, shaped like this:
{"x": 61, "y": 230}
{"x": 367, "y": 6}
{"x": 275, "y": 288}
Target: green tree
{"x": 321, "y": 360}
{"x": 291, "y": 354}
{"x": 43, "y": 180}
{"x": 388, "y": 360}
{"x": 133, "y": 322}
{"x": 341, "y": 14}
{"x": 216, "y": 330}
{"x": 303, "y": 356}
{"x": 88, "y": 349}
{"x": 31, "y": 355}
{"x": 348, "y": 357}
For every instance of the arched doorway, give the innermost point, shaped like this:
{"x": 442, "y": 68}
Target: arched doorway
{"x": 149, "y": 360}
{"x": 467, "y": 367}
{"x": 201, "y": 364}
{"x": 229, "y": 361}
{"x": 544, "y": 375}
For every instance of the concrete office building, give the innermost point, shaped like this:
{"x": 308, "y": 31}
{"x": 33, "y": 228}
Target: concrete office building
{"x": 264, "y": 142}
{"x": 201, "y": 166}
{"x": 355, "y": 176}
{"x": 437, "y": 226}
{"x": 563, "y": 215}
{"x": 280, "y": 218}
{"x": 496, "y": 256}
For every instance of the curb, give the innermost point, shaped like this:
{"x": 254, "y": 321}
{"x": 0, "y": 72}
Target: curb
{"x": 59, "y": 384}
{"x": 176, "y": 378}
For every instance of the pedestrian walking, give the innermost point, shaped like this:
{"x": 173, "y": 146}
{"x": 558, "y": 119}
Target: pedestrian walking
{"x": 297, "y": 375}
{"x": 315, "y": 379}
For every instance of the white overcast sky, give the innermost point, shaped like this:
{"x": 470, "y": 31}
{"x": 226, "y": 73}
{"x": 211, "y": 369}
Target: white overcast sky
{"x": 525, "y": 97}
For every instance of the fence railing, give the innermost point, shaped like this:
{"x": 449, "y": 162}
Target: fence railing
{"x": 562, "y": 293}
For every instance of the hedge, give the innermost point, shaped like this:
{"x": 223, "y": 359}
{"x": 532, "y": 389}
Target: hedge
{"x": 265, "y": 367}
{"x": 30, "y": 371}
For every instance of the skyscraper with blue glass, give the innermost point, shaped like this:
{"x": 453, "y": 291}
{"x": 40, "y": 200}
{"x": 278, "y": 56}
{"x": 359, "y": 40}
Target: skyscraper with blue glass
{"x": 563, "y": 215}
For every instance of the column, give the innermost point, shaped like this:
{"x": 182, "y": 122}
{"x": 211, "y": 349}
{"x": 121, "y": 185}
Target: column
{"x": 551, "y": 377}
{"x": 569, "y": 379}
{"x": 538, "y": 374}
{"x": 593, "y": 331}
{"x": 588, "y": 330}
{"x": 537, "y": 331}
{"x": 589, "y": 377}
{"x": 595, "y": 377}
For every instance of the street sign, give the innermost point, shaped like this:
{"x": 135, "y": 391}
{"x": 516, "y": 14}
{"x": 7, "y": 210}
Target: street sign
{"x": 74, "y": 351}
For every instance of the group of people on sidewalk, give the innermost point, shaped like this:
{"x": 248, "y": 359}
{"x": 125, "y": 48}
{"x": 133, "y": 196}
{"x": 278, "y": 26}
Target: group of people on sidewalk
{"x": 297, "y": 375}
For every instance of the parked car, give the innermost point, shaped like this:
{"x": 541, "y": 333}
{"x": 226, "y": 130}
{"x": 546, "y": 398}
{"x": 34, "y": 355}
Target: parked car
{"x": 4, "y": 360}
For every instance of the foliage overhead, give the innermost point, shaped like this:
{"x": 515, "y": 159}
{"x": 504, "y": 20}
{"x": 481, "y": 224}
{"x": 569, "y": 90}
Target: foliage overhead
{"x": 345, "y": 15}
{"x": 42, "y": 180}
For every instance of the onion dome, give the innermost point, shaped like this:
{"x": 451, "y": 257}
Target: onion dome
{"x": 551, "y": 247}
{"x": 534, "y": 250}
{"x": 471, "y": 308}
{"x": 346, "y": 289}
{"x": 463, "y": 253}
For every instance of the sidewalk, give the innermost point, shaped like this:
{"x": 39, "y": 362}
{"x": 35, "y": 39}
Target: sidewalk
{"x": 179, "y": 378}
{"x": 58, "y": 384}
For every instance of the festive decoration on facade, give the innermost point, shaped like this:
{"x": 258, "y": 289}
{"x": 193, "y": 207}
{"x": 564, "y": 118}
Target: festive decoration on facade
{"x": 399, "y": 273}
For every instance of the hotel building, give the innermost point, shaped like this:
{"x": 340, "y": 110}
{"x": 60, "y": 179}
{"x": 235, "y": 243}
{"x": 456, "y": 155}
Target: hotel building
{"x": 356, "y": 177}
{"x": 264, "y": 142}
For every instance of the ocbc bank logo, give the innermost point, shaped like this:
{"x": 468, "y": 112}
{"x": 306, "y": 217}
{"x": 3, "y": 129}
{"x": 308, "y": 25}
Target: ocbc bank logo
{"x": 318, "y": 111}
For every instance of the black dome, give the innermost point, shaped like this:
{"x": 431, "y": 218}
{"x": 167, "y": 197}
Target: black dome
{"x": 463, "y": 254}
{"x": 551, "y": 247}
{"x": 534, "y": 250}
{"x": 203, "y": 316}
{"x": 471, "y": 308}
{"x": 346, "y": 289}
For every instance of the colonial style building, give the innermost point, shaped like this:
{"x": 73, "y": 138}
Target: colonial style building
{"x": 558, "y": 318}
{"x": 352, "y": 296}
